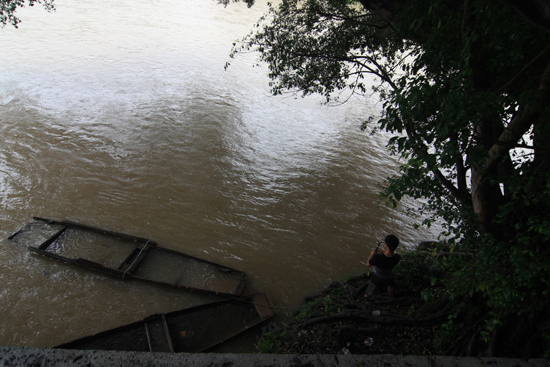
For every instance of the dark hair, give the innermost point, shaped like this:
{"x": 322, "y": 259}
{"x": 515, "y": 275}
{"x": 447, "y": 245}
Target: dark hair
{"x": 392, "y": 242}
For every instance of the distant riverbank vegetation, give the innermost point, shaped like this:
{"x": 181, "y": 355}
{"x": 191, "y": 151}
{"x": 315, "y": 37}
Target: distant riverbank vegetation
{"x": 464, "y": 96}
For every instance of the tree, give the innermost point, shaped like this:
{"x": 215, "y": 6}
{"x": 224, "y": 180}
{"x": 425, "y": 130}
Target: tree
{"x": 9, "y": 7}
{"x": 535, "y": 11}
{"x": 465, "y": 94}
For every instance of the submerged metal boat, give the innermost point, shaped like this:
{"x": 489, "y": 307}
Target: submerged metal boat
{"x": 127, "y": 257}
{"x": 190, "y": 330}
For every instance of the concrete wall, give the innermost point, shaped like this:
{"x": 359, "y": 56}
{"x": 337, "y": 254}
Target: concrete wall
{"x": 36, "y": 357}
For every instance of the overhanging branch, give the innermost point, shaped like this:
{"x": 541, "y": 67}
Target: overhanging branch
{"x": 519, "y": 125}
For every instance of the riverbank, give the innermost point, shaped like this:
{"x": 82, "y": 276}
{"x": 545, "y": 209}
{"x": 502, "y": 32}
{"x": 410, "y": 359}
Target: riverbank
{"x": 342, "y": 321}
{"x": 421, "y": 319}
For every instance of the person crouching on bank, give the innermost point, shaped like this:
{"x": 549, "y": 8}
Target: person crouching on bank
{"x": 383, "y": 261}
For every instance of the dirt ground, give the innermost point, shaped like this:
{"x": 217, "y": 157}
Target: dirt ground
{"x": 342, "y": 321}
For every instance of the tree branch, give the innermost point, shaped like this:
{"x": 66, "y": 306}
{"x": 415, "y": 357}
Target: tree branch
{"x": 515, "y": 77}
{"x": 520, "y": 124}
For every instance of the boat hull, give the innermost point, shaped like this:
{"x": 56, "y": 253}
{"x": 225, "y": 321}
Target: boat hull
{"x": 128, "y": 257}
{"x": 190, "y": 330}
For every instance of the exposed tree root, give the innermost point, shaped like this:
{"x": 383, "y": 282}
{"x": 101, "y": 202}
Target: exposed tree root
{"x": 340, "y": 320}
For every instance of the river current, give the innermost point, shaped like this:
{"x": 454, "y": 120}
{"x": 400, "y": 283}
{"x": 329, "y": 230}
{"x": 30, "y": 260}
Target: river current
{"x": 120, "y": 115}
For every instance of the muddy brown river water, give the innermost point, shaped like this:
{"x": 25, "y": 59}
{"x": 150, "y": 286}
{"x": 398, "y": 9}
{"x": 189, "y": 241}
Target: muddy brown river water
{"x": 120, "y": 115}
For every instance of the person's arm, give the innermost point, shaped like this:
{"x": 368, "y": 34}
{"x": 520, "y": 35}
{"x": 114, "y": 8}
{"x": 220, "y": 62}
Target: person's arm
{"x": 370, "y": 258}
{"x": 372, "y": 253}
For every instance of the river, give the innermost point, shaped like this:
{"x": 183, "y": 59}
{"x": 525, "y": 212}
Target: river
{"x": 121, "y": 115}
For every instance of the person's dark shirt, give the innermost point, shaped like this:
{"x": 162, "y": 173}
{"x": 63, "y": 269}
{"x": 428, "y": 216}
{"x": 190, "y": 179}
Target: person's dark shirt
{"x": 383, "y": 265}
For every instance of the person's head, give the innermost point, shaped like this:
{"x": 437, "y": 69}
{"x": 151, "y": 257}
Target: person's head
{"x": 392, "y": 242}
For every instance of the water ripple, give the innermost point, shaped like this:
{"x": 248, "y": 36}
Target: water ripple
{"x": 120, "y": 115}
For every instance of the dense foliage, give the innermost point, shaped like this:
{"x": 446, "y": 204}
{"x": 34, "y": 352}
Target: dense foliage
{"x": 464, "y": 87}
{"x": 9, "y": 7}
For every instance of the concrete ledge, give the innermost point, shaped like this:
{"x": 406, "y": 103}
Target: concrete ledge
{"x": 36, "y": 357}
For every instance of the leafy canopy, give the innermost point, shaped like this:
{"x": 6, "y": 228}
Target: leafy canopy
{"x": 464, "y": 87}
